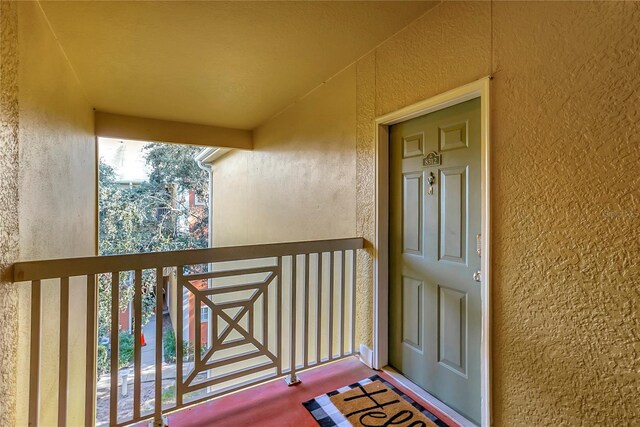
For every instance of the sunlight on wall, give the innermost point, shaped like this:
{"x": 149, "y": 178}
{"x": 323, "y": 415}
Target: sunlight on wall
{"x": 57, "y": 202}
{"x": 564, "y": 163}
{"x": 564, "y": 120}
{"x": 299, "y": 181}
{"x": 565, "y": 150}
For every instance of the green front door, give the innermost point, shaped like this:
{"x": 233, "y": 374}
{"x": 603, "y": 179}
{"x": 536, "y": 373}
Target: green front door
{"x": 435, "y": 217}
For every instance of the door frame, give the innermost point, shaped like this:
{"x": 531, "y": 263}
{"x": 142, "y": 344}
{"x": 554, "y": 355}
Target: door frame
{"x": 476, "y": 89}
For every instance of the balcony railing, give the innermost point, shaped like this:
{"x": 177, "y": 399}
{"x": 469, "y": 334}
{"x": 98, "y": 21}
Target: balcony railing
{"x": 269, "y": 310}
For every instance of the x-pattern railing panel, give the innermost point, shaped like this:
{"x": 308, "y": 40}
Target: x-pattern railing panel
{"x": 247, "y": 296}
{"x": 272, "y": 310}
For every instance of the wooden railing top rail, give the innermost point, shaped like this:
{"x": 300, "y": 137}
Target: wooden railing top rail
{"x": 69, "y": 267}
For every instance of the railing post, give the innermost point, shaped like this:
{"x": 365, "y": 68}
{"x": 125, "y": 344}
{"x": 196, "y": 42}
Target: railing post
{"x": 159, "y": 422}
{"x": 91, "y": 347}
{"x": 34, "y": 368}
{"x": 343, "y": 286}
{"x": 137, "y": 343}
{"x": 115, "y": 325}
{"x": 292, "y": 378}
{"x": 63, "y": 365}
{"x": 306, "y": 311}
{"x": 265, "y": 318}
{"x": 319, "y": 312}
{"x": 354, "y": 273}
{"x": 279, "y": 317}
{"x": 331, "y": 304}
{"x": 179, "y": 327}
{"x": 157, "y": 418}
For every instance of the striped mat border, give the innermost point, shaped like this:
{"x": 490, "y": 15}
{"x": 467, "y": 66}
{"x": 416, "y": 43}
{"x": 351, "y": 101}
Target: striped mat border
{"x": 327, "y": 415}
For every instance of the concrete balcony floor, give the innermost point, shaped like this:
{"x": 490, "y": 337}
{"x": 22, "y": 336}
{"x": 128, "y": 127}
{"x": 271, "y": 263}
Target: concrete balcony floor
{"x": 274, "y": 404}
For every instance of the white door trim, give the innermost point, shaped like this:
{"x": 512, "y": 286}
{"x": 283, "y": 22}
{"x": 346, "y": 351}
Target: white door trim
{"x": 478, "y": 88}
{"x": 428, "y": 397}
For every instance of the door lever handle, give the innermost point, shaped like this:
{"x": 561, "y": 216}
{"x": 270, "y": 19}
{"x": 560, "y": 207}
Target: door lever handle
{"x": 477, "y": 276}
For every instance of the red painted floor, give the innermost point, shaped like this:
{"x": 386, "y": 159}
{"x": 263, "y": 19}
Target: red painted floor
{"x": 275, "y": 404}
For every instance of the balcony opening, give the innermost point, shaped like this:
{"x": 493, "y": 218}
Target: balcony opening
{"x": 152, "y": 197}
{"x": 166, "y": 322}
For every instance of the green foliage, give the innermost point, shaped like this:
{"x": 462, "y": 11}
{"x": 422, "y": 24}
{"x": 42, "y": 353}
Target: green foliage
{"x": 126, "y": 295}
{"x": 169, "y": 347}
{"x": 145, "y": 218}
{"x": 187, "y": 350}
{"x": 125, "y": 350}
{"x": 171, "y": 163}
{"x": 169, "y": 394}
{"x": 103, "y": 359}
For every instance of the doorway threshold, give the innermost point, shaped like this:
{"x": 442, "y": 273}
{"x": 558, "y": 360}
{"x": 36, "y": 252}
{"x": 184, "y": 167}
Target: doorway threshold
{"x": 428, "y": 397}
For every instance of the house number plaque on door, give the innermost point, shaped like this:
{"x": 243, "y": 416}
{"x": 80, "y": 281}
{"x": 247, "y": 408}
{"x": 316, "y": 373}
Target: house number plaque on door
{"x": 432, "y": 159}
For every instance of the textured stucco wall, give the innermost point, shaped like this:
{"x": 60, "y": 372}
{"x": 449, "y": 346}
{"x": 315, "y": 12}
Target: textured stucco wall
{"x": 365, "y": 195}
{"x": 565, "y": 189}
{"x": 566, "y": 213}
{"x": 8, "y": 207}
{"x": 56, "y": 206}
{"x": 57, "y": 150}
{"x": 299, "y": 181}
{"x": 428, "y": 57}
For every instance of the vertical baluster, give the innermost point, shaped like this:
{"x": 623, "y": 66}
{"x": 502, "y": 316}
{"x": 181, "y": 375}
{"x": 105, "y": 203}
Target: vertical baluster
{"x": 331, "y": 304}
{"x": 353, "y": 301}
{"x": 292, "y": 378}
{"x": 34, "y": 368}
{"x": 319, "y": 313}
{"x": 306, "y": 310}
{"x": 137, "y": 344}
{"x": 279, "y": 317}
{"x": 343, "y": 287}
{"x": 251, "y": 320}
{"x": 158, "y": 381}
{"x": 294, "y": 262}
{"x": 213, "y": 333}
{"x": 197, "y": 332}
{"x": 179, "y": 326}
{"x": 265, "y": 317}
{"x": 63, "y": 368}
{"x": 90, "y": 344}
{"x": 115, "y": 309}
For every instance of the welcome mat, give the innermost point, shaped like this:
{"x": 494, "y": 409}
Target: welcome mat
{"x": 370, "y": 402}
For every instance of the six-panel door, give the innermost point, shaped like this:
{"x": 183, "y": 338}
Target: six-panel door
{"x": 435, "y": 217}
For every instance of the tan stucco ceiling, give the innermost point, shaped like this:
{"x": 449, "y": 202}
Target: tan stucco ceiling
{"x": 232, "y": 64}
